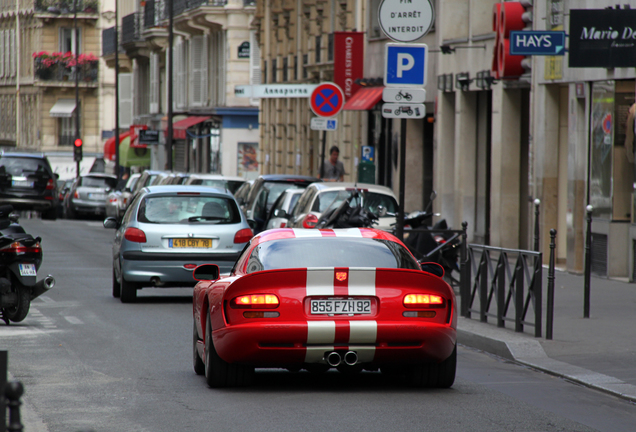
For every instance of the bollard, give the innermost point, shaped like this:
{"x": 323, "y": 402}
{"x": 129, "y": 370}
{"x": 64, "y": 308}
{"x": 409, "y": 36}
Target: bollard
{"x": 550, "y": 312}
{"x": 464, "y": 278}
{"x": 12, "y": 392}
{"x": 537, "y": 202}
{"x": 588, "y": 263}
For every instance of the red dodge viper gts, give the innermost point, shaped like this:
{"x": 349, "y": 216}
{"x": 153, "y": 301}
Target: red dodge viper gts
{"x": 350, "y": 299}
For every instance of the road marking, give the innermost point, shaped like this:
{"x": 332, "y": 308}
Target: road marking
{"x": 73, "y": 320}
{"x": 46, "y": 299}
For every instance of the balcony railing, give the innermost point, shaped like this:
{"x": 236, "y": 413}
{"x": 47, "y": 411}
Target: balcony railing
{"x": 64, "y": 7}
{"x": 131, "y": 28}
{"x": 47, "y": 69}
{"x": 108, "y": 42}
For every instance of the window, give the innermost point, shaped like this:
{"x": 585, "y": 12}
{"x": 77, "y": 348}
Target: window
{"x": 67, "y": 40}
{"x": 188, "y": 209}
{"x": 66, "y": 128}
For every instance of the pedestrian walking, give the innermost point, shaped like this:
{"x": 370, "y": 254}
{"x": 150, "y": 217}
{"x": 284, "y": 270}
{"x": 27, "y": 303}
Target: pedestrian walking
{"x": 332, "y": 169}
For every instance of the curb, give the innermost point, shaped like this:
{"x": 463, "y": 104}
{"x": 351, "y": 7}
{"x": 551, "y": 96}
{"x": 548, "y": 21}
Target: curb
{"x": 526, "y": 350}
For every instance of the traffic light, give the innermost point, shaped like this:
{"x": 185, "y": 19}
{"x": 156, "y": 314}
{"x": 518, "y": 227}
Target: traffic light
{"x": 77, "y": 150}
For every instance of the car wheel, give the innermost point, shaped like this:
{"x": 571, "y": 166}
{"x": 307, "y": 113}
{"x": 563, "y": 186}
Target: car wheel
{"x": 447, "y": 369}
{"x": 116, "y": 286}
{"x": 218, "y": 372}
{"x": 128, "y": 291}
{"x": 199, "y": 366}
{"x": 50, "y": 214}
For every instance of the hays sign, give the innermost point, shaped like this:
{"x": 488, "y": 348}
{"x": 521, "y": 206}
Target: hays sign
{"x": 603, "y": 38}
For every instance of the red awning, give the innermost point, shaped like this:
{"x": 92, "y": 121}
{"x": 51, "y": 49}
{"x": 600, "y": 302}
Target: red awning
{"x": 109, "y": 146}
{"x": 364, "y": 99}
{"x": 179, "y": 128}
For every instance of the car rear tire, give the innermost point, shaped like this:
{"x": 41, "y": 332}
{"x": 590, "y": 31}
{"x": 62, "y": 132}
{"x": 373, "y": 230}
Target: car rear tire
{"x": 197, "y": 363}
{"x": 218, "y": 372}
{"x": 440, "y": 375}
{"x": 128, "y": 291}
{"x": 116, "y": 286}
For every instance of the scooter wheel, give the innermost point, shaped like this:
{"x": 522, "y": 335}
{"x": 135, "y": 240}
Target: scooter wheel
{"x": 19, "y": 312}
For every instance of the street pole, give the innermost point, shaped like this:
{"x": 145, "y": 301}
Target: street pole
{"x": 117, "y": 173}
{"x": 170, "y": 84}
{"x": 537, "y": 202}
{"x": 77, "y": 113}
{"x": 399, "y": 228}
{"x": 588, "y": 263}
{"x": 324, "y": 144}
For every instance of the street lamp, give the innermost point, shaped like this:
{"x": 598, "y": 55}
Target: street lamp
{"x": 77, "y": 113}
{"x": 170, "y": 83}
{"x": 117, "y": 173}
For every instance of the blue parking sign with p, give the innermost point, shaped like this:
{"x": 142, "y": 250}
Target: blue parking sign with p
{"x": 405, "y": 64}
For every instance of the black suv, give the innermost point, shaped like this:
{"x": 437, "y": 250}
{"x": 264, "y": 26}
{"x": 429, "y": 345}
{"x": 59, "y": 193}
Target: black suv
{"x": 28, "y": 183}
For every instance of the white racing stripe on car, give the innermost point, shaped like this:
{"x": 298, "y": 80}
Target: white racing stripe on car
{"x": 321, "y": 332}
{"x": 348, "y": 232}
{"x": 319, "y": 281}
{"x": 300, "y": 232}
{"x": 317, "y": 354}
{"x": 363, "y": 332}
{"x": 361, "y": 282}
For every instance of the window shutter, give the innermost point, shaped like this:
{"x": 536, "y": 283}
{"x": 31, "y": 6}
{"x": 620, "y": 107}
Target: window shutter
{"x": 196, "y": 70}
{"x": 7, "y": 54}
{"x": 3, "y": 53}
{"x": 125, "y": 99}
{"x": 255, "y": 64}
{"x": 154, "y": 83}
{"x": 13, "y": 53}
{"x": 204, "y": 72}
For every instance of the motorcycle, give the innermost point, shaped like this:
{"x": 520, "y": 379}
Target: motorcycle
{"x": 20, "y": 259}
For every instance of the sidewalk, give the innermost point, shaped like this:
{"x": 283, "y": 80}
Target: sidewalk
{"x": 599, "y": 352}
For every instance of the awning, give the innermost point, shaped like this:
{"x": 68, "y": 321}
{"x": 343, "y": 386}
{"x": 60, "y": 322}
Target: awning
{"x": 364, "y": 99}
{"x": 179, "y": 128}
{"x": 109, "y": 146}
{"x": 133, "y": 156}
{"x": 63, "y": 108}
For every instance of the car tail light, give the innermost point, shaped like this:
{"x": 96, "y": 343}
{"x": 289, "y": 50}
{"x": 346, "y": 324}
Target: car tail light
{"x": 439, "y": 239}
{"x": 253, "y": 314}
{"x": 190, "y": 266}
{"x": 255, "y": 301}
{"x": 50, "y": 184}
{"x": 283, "y": 224}
{"x": 135, "y": 235}
{"x": 243, "y": 236}
{"x": 419, "y": 314}
{"x": 423, "y": 300}
{"x": 76, "y": 195}
{"x": 17, "y": 247}
{"x": 310, "y": 221}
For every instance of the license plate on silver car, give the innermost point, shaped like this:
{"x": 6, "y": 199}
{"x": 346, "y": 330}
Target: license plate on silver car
{"x": 341, "y": 306}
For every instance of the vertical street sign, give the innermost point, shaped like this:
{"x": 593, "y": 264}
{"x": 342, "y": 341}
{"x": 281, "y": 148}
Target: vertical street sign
{"x": 326, "y": 100}
{"x": 406, "y": 20}
{"x": 405, "y": 65}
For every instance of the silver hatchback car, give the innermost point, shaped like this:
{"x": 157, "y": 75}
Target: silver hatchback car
{"x": 167, "y": 231}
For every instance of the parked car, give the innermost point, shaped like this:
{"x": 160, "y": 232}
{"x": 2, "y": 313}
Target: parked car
{"x": 266, "y": 189}
{"x": 320, "y": 196}
{"x": 28, "y": 183}
{"x": 232, "y": 184}
{"x": 243, "y": 192}
{"x": 87, "y": 195}
{"x": 168, "y": 231}
{"x": 147, "y": 177}
{"x": 63, "y": 186}
{"x": 117, "y": 199}
{"x": 282, "y": 209}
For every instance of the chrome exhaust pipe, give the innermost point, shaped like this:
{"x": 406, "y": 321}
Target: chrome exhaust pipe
{"x": 334, "y": 359}
{"x": 42, "y": 286}
{"x": 351, "y": 358}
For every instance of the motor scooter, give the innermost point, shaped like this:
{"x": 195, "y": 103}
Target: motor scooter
{"x": 20, "y": 259}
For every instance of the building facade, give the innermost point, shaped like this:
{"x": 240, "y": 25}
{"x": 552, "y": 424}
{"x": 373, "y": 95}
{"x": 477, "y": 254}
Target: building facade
{"x": 38, "y": 70}
{"x": 213, "y": 50}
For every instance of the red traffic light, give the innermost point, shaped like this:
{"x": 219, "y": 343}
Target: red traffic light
{"x": 78, "y": 142}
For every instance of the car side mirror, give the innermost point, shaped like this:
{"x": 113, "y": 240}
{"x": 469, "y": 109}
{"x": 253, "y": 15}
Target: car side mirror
{"x": 432, "y": 268}
{"x": 57, "y": 176}
{"x": 206, "y": 272}
{"x": 252, "y": 224}
{"x": 111, "y": 223}
{"x": 382, "y": 211}
{"x": 280, "y": 213}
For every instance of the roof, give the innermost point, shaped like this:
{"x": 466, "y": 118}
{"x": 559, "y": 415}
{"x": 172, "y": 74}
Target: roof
{"x": 99, "y": 175}
{"x": 29, "y": 155}
{"x": 183, "y": 188}
{"x": 288, "y": 177}
{"x": 323, "y": 234}
{"x": 326, "y": 186}
{"x": 364, "y": 99}
{"x": 216, "y": 177}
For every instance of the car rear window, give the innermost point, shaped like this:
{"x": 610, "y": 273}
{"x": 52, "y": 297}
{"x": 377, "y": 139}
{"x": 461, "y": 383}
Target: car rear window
{"x": 195, "y": 209}
{"x": 17, "y": 166}
{"x": 330, "y": 252}
{"x": 98, "y": 182}
{"x": 372, "y": 201}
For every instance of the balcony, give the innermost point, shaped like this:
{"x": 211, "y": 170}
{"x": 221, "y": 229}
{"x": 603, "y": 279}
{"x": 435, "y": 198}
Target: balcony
{"x": 131, "y": 28}
{"x": 180, "y": 6}
{"x": 108, "y": 42}
{"x": 65, "y": 7}
{"x": 57, "y": 69}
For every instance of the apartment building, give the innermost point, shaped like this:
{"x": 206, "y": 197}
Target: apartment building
{"x": 213, "y": 50}
{"x": 38, "y": 70}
